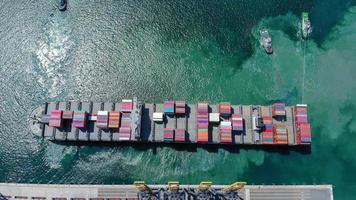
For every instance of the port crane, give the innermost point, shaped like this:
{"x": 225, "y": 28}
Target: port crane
{"x": 230, "y": 192}
{"x": 145, "y": 192}
{"x": 174, "y": 192}
{"x": 203, "y": 192}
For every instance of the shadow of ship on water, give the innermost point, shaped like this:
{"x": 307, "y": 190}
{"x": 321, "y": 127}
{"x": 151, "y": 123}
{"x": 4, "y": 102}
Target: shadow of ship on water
{"x": 193, "y": 147}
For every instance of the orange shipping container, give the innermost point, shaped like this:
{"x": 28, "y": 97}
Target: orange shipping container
{"x": 280, "y": 142}
{"x": 267, "y": 142}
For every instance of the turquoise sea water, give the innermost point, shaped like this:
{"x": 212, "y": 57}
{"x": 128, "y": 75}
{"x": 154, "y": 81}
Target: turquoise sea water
{"x": 194, "y": 50}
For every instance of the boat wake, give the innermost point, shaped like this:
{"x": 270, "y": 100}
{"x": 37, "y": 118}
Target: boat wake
{"x": 51, "y": 55}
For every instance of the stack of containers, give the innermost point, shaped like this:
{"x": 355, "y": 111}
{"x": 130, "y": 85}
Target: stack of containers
{"x": 79, "y": 118}
{"x": 126, "y": 105}
{"x": 56, "y": 118}
{"x": 203, "y": 107}
{"x": 114, "y": 119}
{"x": 301, "y": 116}
{"x": 279, "y": 109}
{"x": 126, "y": 120}
{"x": 225, "y": 109}
{"x": 102, "y": 119}
{"x": 302, "y": 124}
{"x": 180, "y": 107}
{"x": 237, "y": 122}
{"x": 203, "y": 122}
{"x": 179, "y": 135}
{"x": 225, "y": 132}
{"x": 304, "y": 134}
{"x": 280, "y": 134}
{"x": 168, "y": 107}
{"x": 267, "y": 134}
{"x": 168, "y": 134}
{"x": 124, "y": 133}
{"x": 125, "y": 129}
{"x": 67, "y": 115}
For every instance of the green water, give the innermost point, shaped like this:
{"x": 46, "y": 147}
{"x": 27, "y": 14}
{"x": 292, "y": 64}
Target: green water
{"x": 194, "y": 50}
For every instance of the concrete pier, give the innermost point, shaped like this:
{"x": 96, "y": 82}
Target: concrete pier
{"x": 129, "y": 192}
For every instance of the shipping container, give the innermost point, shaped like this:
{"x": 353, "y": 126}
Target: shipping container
{"x": 180, "y": 107}
{"x": 67, "y": 115}
{"x": 180, "y": 135}
{"x": 214, "y": 117}
{"x": 237, "y": 122}
{"x": 126, "y": 120}
{"x": 79, "y": 118}
{"x": 56, "y": 118}
{"x": 304, "y": 133}
{"x": 169, "y": 107}
{"x": 203, "y": 135}
{"x": 126, "y": 105}
{"x": 280, "y": 134}
{"x": 102, "y": 119}
{"x": 168, "y": 134}
{"x": 225, "y": 132}
{"x": 203, "y": 107}
{"x": 225, "y": 109}
{"x": 278, "y": 109}
{"x": 124, "y": 133}
{"x": 114, "y": 119}
{"x": 203, "y": 122}
{"x": 158, "y": 116}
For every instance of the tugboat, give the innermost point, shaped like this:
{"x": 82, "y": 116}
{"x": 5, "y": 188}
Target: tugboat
{"x": 62, "y": 5}
{"x": 306, "y": 25}
{"x": 266, "y": 41}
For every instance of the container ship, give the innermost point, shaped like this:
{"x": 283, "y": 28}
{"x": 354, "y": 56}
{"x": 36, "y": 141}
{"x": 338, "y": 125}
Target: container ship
{"x": 134, "y": 121}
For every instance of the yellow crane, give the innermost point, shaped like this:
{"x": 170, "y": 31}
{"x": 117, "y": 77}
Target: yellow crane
{"x": 173, "y": 185}
{"x": 205, "y": 185}
{"x": 235, "y": 186}
{"x": 142, "y": 186}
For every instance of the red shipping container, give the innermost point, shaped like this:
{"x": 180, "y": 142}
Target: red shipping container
{"x": 179, "y": 135}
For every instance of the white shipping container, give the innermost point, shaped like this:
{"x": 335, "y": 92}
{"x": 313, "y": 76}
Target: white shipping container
{"x": 158, "y": 116}
{"x": 254, "y": 125}
{"x": 103, "y": 112}
{"x": 301, "y": 105}
{"x": 93, "y": 118}
{"x": 214, "y": 117}
{"x": 225, "y": 123}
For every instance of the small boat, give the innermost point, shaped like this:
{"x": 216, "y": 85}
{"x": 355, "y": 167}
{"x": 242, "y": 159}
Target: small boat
{"x": 266, "y": 41}
{"x": 62, "y": 5}
{"x": 306, "y": 25}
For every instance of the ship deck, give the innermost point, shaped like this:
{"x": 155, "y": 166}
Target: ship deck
{"x": 153, "y": 131}
{"x": 121, "y": 192}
